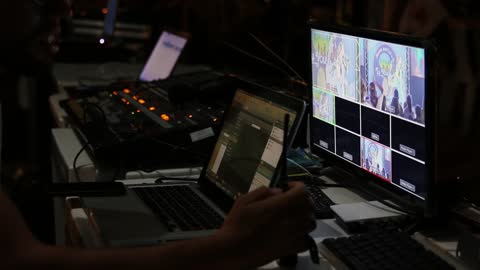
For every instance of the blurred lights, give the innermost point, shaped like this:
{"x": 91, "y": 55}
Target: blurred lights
{"x": 165, "y": 117}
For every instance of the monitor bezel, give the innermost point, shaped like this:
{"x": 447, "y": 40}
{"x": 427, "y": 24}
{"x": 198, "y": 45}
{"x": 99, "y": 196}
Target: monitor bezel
{"x": 426, "y": 207}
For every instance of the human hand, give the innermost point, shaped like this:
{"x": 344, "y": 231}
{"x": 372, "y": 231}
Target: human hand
{"x": 267, "y": 224}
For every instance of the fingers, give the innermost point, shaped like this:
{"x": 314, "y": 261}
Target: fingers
{"x": 258, "y": 195}
{"x": 295, "y": 197}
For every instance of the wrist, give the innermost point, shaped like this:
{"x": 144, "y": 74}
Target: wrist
{"x": 231, "y": 251}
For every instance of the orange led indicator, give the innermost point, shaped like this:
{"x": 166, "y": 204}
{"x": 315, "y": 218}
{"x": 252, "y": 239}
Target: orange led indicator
{"x": 115, "y": 93}
{"x": 138, "y": 111}
{"x": 165, "y": 117}
{"x": 152, "y": 108}
{"x": 190, "y": 116}
{"x": 104, "y": 11}
{"x": 124, "y": 100}
{"x": 135, "y": 97}
{"x": 126, "y": 91}
{"x": 215, "y": 119}
{"x": 141, "y": 101}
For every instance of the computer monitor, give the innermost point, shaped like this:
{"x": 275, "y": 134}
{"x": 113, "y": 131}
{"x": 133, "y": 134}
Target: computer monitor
{"x": 373, "y": 108}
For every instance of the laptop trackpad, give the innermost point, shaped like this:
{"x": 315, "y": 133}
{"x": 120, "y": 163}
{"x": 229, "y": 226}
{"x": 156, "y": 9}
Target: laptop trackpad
{"x": 126, "y": 221}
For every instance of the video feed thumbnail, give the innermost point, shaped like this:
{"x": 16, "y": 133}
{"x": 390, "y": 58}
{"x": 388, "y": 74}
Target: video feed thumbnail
{"x": 417, "y": 85}
{"x": 409, "y": 138}
{"x": 347, "y": 115}
{"x": 385, "y": 80}
{"x": 335, "y": 64}
{"x": 323, "y": 135}
{"x": 377, "y": 159}
{"x": 409, "y": 174}
{"x": 376, "y": 125}
{"x": 323, "y": 106}
{"x": 347, "y": 145}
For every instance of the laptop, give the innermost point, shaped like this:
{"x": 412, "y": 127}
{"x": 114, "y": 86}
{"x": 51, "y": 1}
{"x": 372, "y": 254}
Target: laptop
{"x": 245, "y": 157}
{"x": 164, "y": 57}
{"x": 161, "y": 64}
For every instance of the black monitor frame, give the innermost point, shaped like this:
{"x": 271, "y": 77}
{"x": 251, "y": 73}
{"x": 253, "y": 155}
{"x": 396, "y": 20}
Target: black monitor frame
{"x": 427, "y": 207}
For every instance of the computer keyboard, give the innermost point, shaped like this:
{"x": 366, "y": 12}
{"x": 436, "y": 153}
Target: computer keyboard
{"x": 180, "y": 208}
{"x": 383, "y": 250}
{"x": 321, "y": 201}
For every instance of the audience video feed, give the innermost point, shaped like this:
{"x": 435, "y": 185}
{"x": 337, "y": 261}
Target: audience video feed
{"x": 335, "y": 64}
{"x": 323, "y": 106}
{"x": 385, "y": 80}
{"x": 376, "y": 159}
{"x": 409, "y": 139}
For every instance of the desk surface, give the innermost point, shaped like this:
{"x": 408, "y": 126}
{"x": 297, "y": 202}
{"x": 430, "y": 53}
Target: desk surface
{"x": 328, "y": 228}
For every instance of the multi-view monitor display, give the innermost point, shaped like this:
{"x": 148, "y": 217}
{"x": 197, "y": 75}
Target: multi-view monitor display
{"x": 369, "y": 106}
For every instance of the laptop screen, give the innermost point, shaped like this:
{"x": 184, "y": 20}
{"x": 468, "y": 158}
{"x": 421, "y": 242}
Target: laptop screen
{"x": 164, "y": 56}
{"x": 249, "y": 146}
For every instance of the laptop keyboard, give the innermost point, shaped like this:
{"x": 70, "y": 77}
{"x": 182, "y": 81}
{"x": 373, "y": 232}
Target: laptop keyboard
{"x": 179, "y": 208}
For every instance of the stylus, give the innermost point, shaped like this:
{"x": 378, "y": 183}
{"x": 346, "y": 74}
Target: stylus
{"x": 290, "y": 261}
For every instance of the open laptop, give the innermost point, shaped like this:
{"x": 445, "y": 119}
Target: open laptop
{"x": 164, "y": 57}
{"x": 245, "y": 157}
{"x": 161, "y": 64}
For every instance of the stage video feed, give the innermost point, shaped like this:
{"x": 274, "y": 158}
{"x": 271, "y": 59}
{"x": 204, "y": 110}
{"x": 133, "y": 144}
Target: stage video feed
{"x": 335, "y": 64}
{"x": 393, "y": 79}
{"x": 323, "y": 106}
{"x": 377, "y": 159}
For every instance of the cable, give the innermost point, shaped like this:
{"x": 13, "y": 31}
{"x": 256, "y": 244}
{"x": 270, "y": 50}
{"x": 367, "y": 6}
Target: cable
{"x": 75, "y": 169}
{"x": 100, "y": 109}
{"x": 307, "y": 172}
{"x": 257, "y": 58}
{"x": 277, "y": 56}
